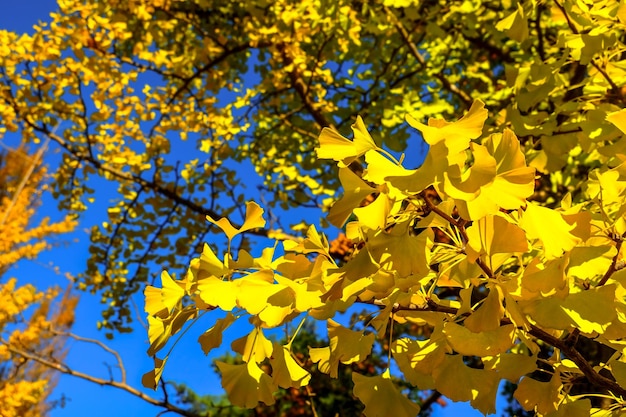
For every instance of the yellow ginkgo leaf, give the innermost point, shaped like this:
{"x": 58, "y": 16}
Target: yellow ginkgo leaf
{"x": 172, "y": 292}
{"x": 494, "y": 234}
{"x": 457, "y": 135}
{"x": 546, "y": 396}
{"x": 590, "y": 311}
{"x": 618, "y": 118}
{"x": 286, "y": 373}
{"x": 485, "y": 343}
{"x": 254, "y": 346}
{"x": 334, "y": 146}
{"x": 151, "y": 378}
{"x": 363, "y": 141}
{"x": 254, "y": 219}
{"x": 212, "y": 338}
{"x": 511, "y": 366}
{"x": 154, "y": 302}
{"x": 375, "y": 214}
{"x": 381, "y": 397}
{"x": 216, "y": 292}
{"x": 459, "y": 382}
{"x": 207, "y": 265}
{"x": 487, "y": 317}
{"x": 354, "y": 192}
{"x": 550, "y": 228}
{"x": 246, "y": 384}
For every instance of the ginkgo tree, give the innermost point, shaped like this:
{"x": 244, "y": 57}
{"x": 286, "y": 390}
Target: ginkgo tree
{"x": 523, "y": 276}
{"x": 176, "y": 104}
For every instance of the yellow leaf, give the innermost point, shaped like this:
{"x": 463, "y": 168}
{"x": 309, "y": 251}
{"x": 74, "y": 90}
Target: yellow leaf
{"x": 246, "y": 384}
{"x": 218, "y": 293}
{"x": 494, "y": 234}
{"x": 457, "y": 135}
{"x": 154, "y": 302}
{"x": 485, "y": 343}
{"x": 346, "y": 346}
{"x": 254, "y": 220}
{"x": 286, "y": 373}
{"x": 511, "y": 366}
{"x": 375, "y": 214}
{"x": 515, "y": 25}
{"x": 151, "y": 379}
{"x": 487, "y": 317}
{"x": 550, "y": 228}
{"x": 545, "y": 396}
{"x": 618, "y": 118}
{"x": 401, "y": 251}
{"x": 254, "y": 346}
{"x": 172, "y": 292}
{"x": 354, "y": 192}
{"x": 335, "y": 146}
{"x": 591, "y": 310}
{"x": 212, "y": 338}
{"x": 381, "y": 397}
{"x": 363, "y": 142}
{"x": 207, "y": 265}
{"x": 459, "y": 382}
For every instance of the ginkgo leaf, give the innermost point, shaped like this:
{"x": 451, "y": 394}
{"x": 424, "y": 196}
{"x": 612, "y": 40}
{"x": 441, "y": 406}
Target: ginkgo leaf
{"x": 456, "y": 134}
{"x": 375, "y": 214}
{"x": 590, "y": 311}
{"x": 417, "y": 359}
{"x": 259, "y": 295}
{"x": 494, "y": 234}
{"x": 172, "y": 292}
{"x": 151, "y": 378}
{"x": 216, "y": 292}
{"x": 511, "y": 366}
{"x": 485, "y": 343}
{"x": 618, "y": 118}
{"x": 379, "y": 168}
{"x": 399, "y": 250}
{"x": 254, "y": 346}
{"x": 515, "y": 25}
{"x": 254, "y": 220}
{"x": 487, "y": 317}
{"x": 154, "y": 302}
{"x": 363, "y": 141}
{"x": 346, "y": 346}
{"x": 207, "y": 265}
{"x": 314, "y": 242}
{"x": 286, "y": 372}
{"x": 212, "y": 338}
{"x": 531, "y": 393}
{"x": 459, "y": 382}
{"x": 246, "y": 384}
{"x": 545, "y": 279}
{"x": 381, "y": 397}
{"x": 618, "y": 369}
{"x": 334, "y": 146}
{"x": 354, "y": 192}
{"x": 550, "y": 228}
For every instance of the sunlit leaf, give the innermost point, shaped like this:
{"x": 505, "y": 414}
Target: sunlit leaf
{"x": 246, "y": 384}
{"x": 381, "y": 397}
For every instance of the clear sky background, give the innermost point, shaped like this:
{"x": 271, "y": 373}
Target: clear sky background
{"x": 187, "y": 364}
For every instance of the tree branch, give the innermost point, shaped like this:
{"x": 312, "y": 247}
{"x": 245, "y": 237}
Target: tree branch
{"x": 64, "y": 369}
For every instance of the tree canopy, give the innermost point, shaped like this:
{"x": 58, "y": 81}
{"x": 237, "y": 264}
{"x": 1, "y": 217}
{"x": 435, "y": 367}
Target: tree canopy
{"x": 491, "y": 220}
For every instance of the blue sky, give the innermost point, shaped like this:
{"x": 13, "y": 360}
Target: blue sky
{"x": 188, "y": 364}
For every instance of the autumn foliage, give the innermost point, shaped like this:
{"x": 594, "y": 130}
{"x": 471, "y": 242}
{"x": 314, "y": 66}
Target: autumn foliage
{"x": 471, "y": 153}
